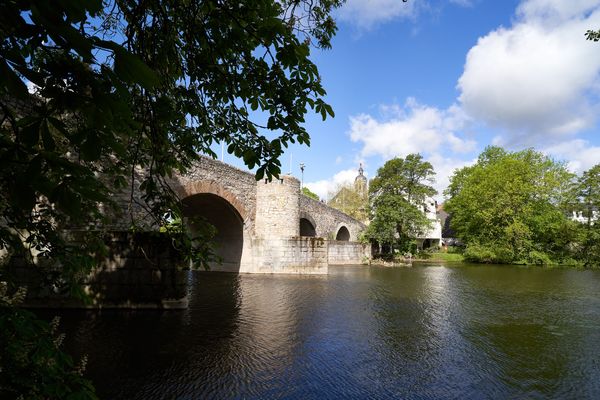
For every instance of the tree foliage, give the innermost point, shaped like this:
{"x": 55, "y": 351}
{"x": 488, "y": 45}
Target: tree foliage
{"x": 587, "y": 195}
{"x": 396, "y": 197}
{"x": 510, "y": 207}
{"x": 124, "y": 86}
{"x": 307, "y": 192}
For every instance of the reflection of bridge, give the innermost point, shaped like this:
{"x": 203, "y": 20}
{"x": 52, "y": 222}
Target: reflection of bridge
{"x": 267, "y": 227}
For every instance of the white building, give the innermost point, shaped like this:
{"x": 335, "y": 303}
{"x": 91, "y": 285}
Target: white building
{"x": 433, "y": 236}
{"x": 579, "y": 217}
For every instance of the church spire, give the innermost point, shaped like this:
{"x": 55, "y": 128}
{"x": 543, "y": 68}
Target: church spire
{"x": 360, "y": 182}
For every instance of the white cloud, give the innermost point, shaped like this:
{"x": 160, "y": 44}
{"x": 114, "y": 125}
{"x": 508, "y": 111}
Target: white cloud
{"x": 366, "y": 13}
{"x": 579, "y": 154}
{"x": 415, "y": 128}
{"x": 444, "y": 168}
{"x": 534, "y": 78}
{"x": 553, "y": 11}
{"x": 324, "y": 188}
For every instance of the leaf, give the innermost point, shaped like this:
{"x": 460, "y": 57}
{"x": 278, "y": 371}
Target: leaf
{"x": 30, "y": 134}
{"x": 24, "y": 195}
{"x": 66, "y": 199}
{"x": 329, "y": 110}
{"x": 10, "y": 80}
{"x": 130, "y": 67}
{"x": 91, "y": 149}
{"x": 47, "y": 138}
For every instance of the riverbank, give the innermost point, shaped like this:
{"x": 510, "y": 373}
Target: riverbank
{"x": 439, "y": 257}
{"x": 426, "y": 258}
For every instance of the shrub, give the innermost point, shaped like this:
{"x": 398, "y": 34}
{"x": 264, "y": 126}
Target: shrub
{"x": 479, "y": 253}
{"x": 538, "y": 258}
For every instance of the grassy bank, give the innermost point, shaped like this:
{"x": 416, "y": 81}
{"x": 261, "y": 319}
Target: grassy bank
{"x": 439, "y": 257}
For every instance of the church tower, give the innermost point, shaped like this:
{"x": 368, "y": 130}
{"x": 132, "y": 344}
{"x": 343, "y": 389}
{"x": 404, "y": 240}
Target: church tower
{"x": 360, "y": 182}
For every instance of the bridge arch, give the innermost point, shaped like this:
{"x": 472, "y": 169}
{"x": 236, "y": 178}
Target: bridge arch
{"x": 215, "y": 188}
{"x": 220, "y": 208}
{"x": 342, "y": 234}
{"x": 308, "y": 226}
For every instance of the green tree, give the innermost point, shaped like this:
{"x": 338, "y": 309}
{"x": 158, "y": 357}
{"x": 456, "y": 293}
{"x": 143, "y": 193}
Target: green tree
{"x": 396, "y": 197}
{"x": 510, "y": 207}
{"x": 122, "y": 86}
{"x": 588, "y": 203}
{"x": 307, "y": 192}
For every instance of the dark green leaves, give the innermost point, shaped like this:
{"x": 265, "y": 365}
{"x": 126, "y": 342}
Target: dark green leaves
{"x": 129, "y": 67}
{"x": 11, "y": 82}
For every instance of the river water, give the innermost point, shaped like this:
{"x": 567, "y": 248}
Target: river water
{"x": 426, "y": 332}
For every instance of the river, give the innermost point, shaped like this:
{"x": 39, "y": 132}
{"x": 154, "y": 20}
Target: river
{"x": 426, "y": 332}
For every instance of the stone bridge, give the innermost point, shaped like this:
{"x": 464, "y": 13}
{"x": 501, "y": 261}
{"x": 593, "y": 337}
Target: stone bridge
{"x": 263, "y": 227}
{"x": 267, "y": 227}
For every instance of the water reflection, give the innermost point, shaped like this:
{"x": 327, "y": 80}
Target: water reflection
{"x": 414, "y": 333}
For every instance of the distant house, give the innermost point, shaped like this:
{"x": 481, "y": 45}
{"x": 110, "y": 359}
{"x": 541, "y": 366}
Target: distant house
{"x": 579, "y": 216}
{"x": 432, "y": 238}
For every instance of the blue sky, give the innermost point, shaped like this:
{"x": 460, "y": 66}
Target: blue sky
{"x": 446, "y": 78}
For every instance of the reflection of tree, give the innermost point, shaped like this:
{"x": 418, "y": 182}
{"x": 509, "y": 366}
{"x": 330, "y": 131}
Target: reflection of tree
{"x": 349, "y": 201}
{"x": 523, "y": 356}
{"x": 522, "y": 336}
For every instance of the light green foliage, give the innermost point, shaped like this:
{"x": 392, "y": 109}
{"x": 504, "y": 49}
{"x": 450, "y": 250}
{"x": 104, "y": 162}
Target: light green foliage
{"x": 307, "y": 192}
{"x": 396, "y": 197}
{"x": 510, "y": 207}
{"x": 351, "y": 202}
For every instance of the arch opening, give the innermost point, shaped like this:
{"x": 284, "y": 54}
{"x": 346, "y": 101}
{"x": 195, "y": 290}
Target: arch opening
{"x": 343, "y": 234}
{"x": 217, "y": 211}
{"x": 307, "y": 228}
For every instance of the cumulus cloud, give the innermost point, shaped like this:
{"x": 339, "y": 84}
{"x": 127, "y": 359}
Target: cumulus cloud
{"x": 414, "y": 128}
{"x": 579, "y": 154}
{"x": 324, "y": 188}
{"x": 535, "y": 78}
{"x": 552, "y": 11}
{"x": 366, "y": 13}
{"x": 444, "y": 168}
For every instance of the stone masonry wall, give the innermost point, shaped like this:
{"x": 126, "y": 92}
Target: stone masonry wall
{"x": 347, "y": 252}
{"x": 329, "y": 220}
{"x": 277, "y": 208}
{"x": 297, "y": 255}
{"x": 235, "y": 185}
{"x": 140, "y": 271}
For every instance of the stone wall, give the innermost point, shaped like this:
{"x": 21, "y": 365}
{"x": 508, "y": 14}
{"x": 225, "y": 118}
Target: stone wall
{"x": 328, "y": 220}
{"x": 277, "y": 208}
{"x": 297, "y": 255}
{"x": 347, "y": 252}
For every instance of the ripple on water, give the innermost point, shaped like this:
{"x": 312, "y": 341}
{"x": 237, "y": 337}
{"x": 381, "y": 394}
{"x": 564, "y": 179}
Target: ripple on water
{"x": 360, "y": 332}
